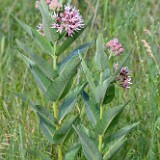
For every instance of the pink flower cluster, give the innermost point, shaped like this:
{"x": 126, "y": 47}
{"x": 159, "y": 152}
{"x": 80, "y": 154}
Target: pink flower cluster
{"x": 115, "y": 47}
{"x": 68, "y": 20}
{"x": 123, "y": 78}
{"x": 65, "y": 18}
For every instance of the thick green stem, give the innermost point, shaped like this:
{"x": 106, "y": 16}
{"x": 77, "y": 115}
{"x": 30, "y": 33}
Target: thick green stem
{"x": 100, "y": 138}
{"x": 60, "y": 156}
{"x": 100, "y": 143}
{"x": 55, "y": 111}
{"x": 101, "y": 112}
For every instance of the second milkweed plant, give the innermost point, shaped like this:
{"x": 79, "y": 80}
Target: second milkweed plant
{"x": 68, "y": 92}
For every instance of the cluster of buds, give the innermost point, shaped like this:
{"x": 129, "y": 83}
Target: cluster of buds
{"x": 65, "y": 18}
{"x": 115, "y": 47}
{"x": 123, "y": 77}
{"x": 53, "y": 4}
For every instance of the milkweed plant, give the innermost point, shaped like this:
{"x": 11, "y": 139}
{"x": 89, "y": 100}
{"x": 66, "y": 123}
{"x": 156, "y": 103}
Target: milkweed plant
{"x": 79, "y": 121}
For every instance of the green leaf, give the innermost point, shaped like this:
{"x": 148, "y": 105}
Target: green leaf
{"x": 121, "y": 132}
{"x": 42, "y": 81}
{"x": 47, "y": 123}
{"x": 27, "y": 28}
{"x": 50, "y": 33}
{"x": 39, "y": 154}
{"x": 46, "y": 20}
{"x": 43, "y": 42}
{"x": 72, "y": 152}
{"x": 101, "y": 89}
{"x": 108, "y": 116}
{"x": 90, "y": 149}
{"x": 106, "y": 74}
{"x": 110, "y": 94}
{"x": 81, "y": 49}
{"x": 69, "y": 41}
{"x": 39, "y": 39}
{"x": 92, "y": 110}
{"x": 113, "y": 148}
{"x": 25, "y": 99}
{"x": 100, "y": 56}
{"x": 61, "y": 133}
{"x": 87, "y": 73}
{"x": 61, "y": 85}
{"x": 70, "y": 101}
{"x": 42, "y": 64}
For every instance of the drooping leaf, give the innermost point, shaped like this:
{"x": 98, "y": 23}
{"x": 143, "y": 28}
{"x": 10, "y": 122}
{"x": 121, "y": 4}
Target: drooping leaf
{"x": 108, "y": 116}
{"x": 90, "y": 149}
{"x": 72, "y": 152}
{"x": 46, "y": 121}
{"x": 42, "y": 81}
{"x": 61, "y": 133}
{"x": 41, "y": 63}
{"x": 69, "y": 101}
{"x": 39, "y": 39}
{"x": 91, "y": 108}
{"x": 113, "y": 148}
{"x": 61, "y": 85}
{"x": 110, "y": 94}
{"x": 27, "y": 28}
{"x": 100, "y": 56}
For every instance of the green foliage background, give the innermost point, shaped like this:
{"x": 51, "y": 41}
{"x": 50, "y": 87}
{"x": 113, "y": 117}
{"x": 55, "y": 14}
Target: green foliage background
{"x": 127, "y": 19}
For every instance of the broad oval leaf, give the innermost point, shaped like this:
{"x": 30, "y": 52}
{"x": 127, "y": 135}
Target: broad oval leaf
{"x": 61, "y": 133}
{"x": 100, "y": 58}
{"x": 110, "y": 94}
{"x": 91, "y": 108}
{"x": 69, "y": 101}
{"x": 108, "y": 116}
{"x": 113, "y": 148}
{"x": 42, "y": 63}
{"x": 47, "y": 123}
{"x": 120, "y": 133}
{"x": 42, "y": 80}
{"x": 90, "y": 149}
{"x": 72, "y": 152}
{"x": 59, "y": 87}
{"x": 68, "y": 42}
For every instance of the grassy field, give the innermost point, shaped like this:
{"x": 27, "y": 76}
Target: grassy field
{"x": 136, "y": 24}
